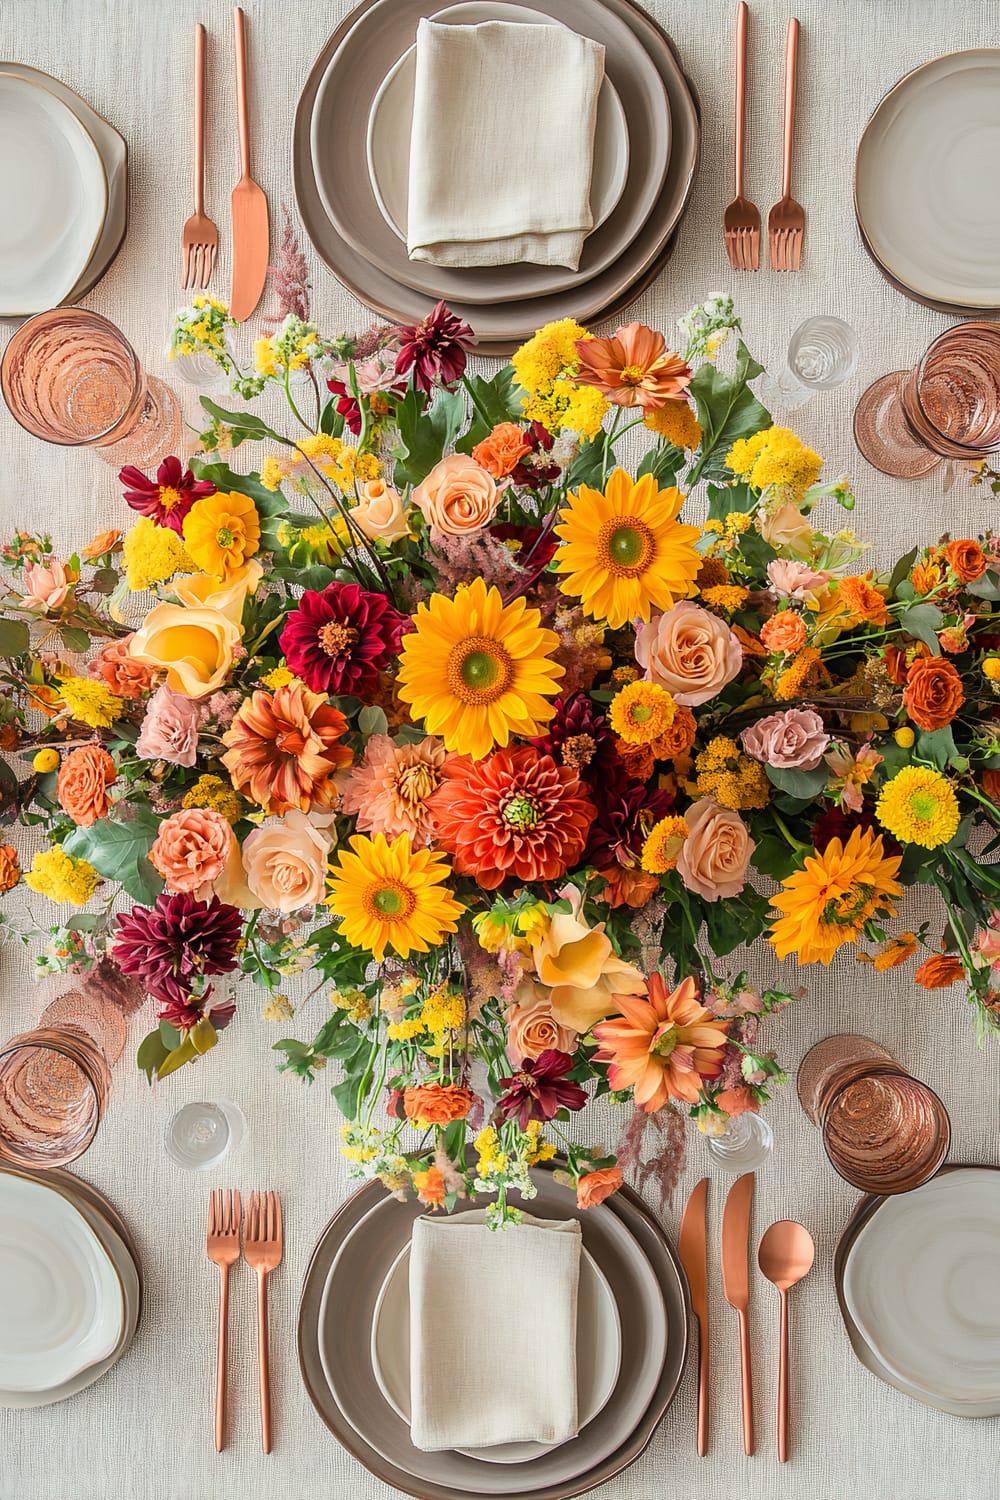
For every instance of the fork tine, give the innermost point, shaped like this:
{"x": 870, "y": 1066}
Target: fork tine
{"x": 269, "y": 1216}
{"x": 199, "y": 261}
{"x": 213, "y": 252}
{"x": 238, "y": 1208}
{"x": 187, "y": 267}
{"x": 253, "y": 1216}
{"x": 213, "y": 1217}
{"x": 277, "y": 1208}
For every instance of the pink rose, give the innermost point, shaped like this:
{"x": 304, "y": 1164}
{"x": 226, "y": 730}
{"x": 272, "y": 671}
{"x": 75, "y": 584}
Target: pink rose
{"x": 532, "y": 1028}
{"x": 285, "y": 861}
{"x": 793, "y": 580}
{"x": 794, "y": 739}
{"x": 458, "y": 496}
{"x": 170, "y": 729}
{"x": 714, "y": 857}
{"x": 46, "y": 585}
{"x": 192, "y": 848}
{"x": 689, "y": 651}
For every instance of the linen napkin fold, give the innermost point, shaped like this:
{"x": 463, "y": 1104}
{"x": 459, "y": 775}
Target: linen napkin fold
{"x": 502, "y": 144}
{"x": 493, "y": 1331}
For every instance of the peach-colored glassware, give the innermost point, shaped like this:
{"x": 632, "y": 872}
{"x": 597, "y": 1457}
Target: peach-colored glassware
{"x": 54, "y": 1084}
{"x": 72, "y": 378}
{"x": 883, "y": 1131}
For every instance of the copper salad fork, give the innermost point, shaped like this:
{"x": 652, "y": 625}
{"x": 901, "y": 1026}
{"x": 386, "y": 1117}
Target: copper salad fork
{"x": 786, "y": 222}
{"x": 742, "y": 218}
{"x": 199, "y": 237}
{"x": 223, "y": 1250}
{"x": 262, "y": 1248}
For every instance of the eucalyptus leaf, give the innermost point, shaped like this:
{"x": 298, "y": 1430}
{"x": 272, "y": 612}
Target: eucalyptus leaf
{"x": 73, "y": 638}
{"x": 901, "y": 571}
{"x": 119, "y": 851}
{"x": 372, "y": 720}
{"x": 922, "y": 621}
{"x": 169, "y": 1036}
{"x": 804, "y": 785}
{"x": 13, "y": 637}
{"x": 984, "y": 588}
{"x": 938, "y": 747}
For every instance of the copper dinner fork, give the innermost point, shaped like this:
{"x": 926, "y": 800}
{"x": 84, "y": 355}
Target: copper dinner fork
{"x": 786, "y": 223}
{"x": 200, "y": 236}
{"x": 262, "y": 1247}
{"x": 742, "y": 220}
{"x": 224, "y": 1251}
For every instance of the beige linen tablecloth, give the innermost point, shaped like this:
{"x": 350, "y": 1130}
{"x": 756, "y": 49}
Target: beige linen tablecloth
{"x": 145, "y": 1431}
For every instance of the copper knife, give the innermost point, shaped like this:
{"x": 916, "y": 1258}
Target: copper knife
{"x": 736, "y": 1283}
{"x": 693, "y": 1249}
{"x": 251, "y": 231}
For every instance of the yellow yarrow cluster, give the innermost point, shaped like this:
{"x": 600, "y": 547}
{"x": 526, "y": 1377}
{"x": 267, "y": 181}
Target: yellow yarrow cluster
{"x": 90, "y": 702}
{"x": 537, "y": 1149}
{"x": 355, "y": 1004}
{"x": 730, "y": 777}
{"x": 443, "y": 1011}
{"x": 335, "y": 459}
{"x": 200, "y": 328}
{"x": 322, "y": 542}
{"x": 278, "y": 1008}
{"x": 56, "y": 874}
{"x": 728, "y": 597}
{"x": 214, "y": 793}
{"x": 490, "y": 1158}
{"x": 676, "y": 423}
{"x": 775, "y": 458}
{"x": 152, "y": 553}
{"x": 919, "y": 806}
{"x": 286, "y": 351}
{"x": 404, "y": 1031}
{"x": 545, "y": 368}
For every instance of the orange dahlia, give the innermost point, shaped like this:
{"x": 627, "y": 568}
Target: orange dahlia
{"x": 663, "y": 1046}
{"x": 939, "y": 971}
{"x": 437, "y": 1104}
{"x": 635, "y": 368}
{"x": 283, "y": 749}
{"x": 514, "y": 813}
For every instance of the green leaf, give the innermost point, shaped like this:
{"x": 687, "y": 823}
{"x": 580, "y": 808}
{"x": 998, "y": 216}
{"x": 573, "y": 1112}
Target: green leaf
{"x": 169, "y": 1036}
{"x": 372, "y": 720}
{"x": 425, "y": 432}
{"x": 494, "y": 401}
{"x": 984, "y": 588}
{"x": 589, "y": 465}
{"x": 315, "y": 576}
{"x": 13, "y": 637}
{"x": 73, "y": 638}
{"x": 726, "y": 925}
{"x": 331, "y": 422}
{"x": 938, "y": 747}
{"x": 345, "y": 1096}
{"x": 268, "y": 502}
{"x": 243, "y": 423}
{"x": 727, "y": 409}
{"x": 118, "y": 851}
{"x": 105, "y": 580}
{"x": 774, "y": 856}
{"x": 900, "y": 571}
{"x": 662, "y": 462}
{"x": 922, "y": 621}
{"x": 724, "y": 499}
{"x": 151, "y": 1055}
{"x": 805, "y": 785}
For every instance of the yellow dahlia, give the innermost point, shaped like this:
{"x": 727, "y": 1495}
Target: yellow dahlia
{"x": 477, "y": 671}
{"x": 641, "y": 712}
{"x": 391, "y": 896}
{"x": 918, "y": 806}
{"x": 624, "y": 553}
{"x": 827, "y": 903}
{"x": 221, "y": 532}
{"x": 663, "y": 844}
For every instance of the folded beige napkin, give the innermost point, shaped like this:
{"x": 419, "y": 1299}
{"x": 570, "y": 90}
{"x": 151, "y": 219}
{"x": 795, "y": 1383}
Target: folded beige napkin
{"x": 502, "y": 144}
{"x": 493, "y": 1331}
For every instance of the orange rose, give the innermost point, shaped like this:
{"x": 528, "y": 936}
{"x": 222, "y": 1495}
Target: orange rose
{"x": 739, "y": 1100}
{"x": 594, "y": 1187}
{"x": 83, "y": 781}
{"x": 933, "y": 693}
{"x": 191, "y": 848}
{"x": 678, "y": 738}
{"x": 10, "y": 867}
{"x": 784, "y": 633}
{"x": 897, "y": 662}
{"x": 966, "y": 559}
{"x": 502, "y": 451}
{"x": 939, "y": 971}
{"x": 115, "y": 666}
{"x": 863, "y": 601}
{"x": 991, "y": 786}
{"x": 104, "y": 541}
{"x": 458, "y": 496}
{"x": 436, "y": 1104}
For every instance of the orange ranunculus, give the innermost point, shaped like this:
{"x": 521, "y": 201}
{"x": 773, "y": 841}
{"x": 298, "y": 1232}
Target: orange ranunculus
{"x": 192, "y": 848}
{"x": 502, "y": 450}
{"x": 966, "y": 559}
{"x": 594, "y": 1187}
{"x": 678, "y": 737}
{"x": 104, "y": 541}
{"x": 784, "y": 632}
{"x": 436, "y": 1104}
{"x": 865, "y": 603}
{"x": 10, "y": 868}
{"x": 114, "y": 666}
{"x": 283, "y": 749}
{"x": 939, "y": 971}
{"x": 431, "y": 1188}
{"x": 635, "y": 368}
{"x": 84, "y": 778}
{"x": 991, "y": 786}
{"x": 933, "y": 693}
{"x": 926, "y": 577}
{"x": 193, "y": 645}
{"x": 739, "y": 1100}
{"x": 663, "y": 1046}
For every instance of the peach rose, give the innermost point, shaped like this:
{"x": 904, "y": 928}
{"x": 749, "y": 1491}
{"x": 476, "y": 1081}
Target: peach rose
{"x": 502, "y": 451}
{"x": 689, "y": 651}
{"x": 458, "y": 496}
{"x": 714, "y": 857}
{"x": 191, "y": 848}
{"x": 784, "y": 632}
{"x": 794, "y": 739}
{"x": 202, "y": 591}
{"x": 82, "y": 786}
{"x": 115, "y": 667}
{"x": 285, "y": 861}
{"x": 594, "y": 1187}
{"x": 104, "y": 541}
{"x": 787, "y": 528}
{"x": 46, "y": 585}
{"x": 381, "y": 515}
{"x": 193, "y": 645}
{"x": 532, "y": 1028}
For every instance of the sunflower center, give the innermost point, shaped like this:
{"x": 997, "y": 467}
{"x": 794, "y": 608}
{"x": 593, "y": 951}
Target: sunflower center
{"x": 626, "y": 546}
{"x": 389, "y": 900}
{"x": 335, "y": 638}
{"x": 479, "y": 670}
{"x": 522, "y": 812}
{"x": 632, "y": 375}
{"x": 224, "y": 536}
{"x": 664, "y": 1040}
{"x": 924, "y": 805}
{"x": 169, "y": 497}
{"x": 416, "y": 783}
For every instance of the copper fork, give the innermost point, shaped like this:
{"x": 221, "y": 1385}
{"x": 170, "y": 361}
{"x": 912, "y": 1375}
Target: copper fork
{"x": 786, "y": 223}
{"x": 199, "y": 237}
{"x": 224, "y": 1251}
{"x": 262, "y": 1247}
{"x": 742, "y": 219}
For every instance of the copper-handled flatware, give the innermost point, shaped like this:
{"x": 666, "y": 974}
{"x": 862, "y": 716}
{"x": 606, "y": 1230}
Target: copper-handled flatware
{"x": 693, "y": 1248}
{"x": 736, "y": 1284}
{"x": 785, "y": 1255}
{"x": 223, "y": 1251}
{"x": 199, "y": 237}
{"x": 251, "y": 231}
{"x": 786, "y": 223}
{"x": 262, "y": 1247}
{"x": 742, "y": 220}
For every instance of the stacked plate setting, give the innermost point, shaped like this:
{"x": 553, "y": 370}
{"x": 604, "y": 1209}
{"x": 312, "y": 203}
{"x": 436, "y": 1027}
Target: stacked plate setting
{"x": 55, "y": 245}
{"x": 70, "y": 1288}
{"x": 357, "y": 105}
{"x": 631, "y": 1347}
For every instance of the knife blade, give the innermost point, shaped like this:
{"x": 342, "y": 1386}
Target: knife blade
{"x": 693, "y": 1249}
{"x": 251, "y": 228}
{"x": 736, "y": 1283}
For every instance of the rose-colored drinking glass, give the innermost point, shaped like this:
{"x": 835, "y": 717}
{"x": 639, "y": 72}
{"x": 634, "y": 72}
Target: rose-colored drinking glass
{"x": 883, "y": 1131}
{"x": 71, "y": 377}
{"x": 54, "y": 1085}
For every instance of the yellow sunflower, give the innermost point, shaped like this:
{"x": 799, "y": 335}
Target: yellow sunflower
{"x": 221, "y": 532}
{"x": 624, "y": 552}
{"x": 477, "y": 671}
{"x": 918, "y": 806}
{"x": 391, "y": 896}
{"x": 827, "y": 903}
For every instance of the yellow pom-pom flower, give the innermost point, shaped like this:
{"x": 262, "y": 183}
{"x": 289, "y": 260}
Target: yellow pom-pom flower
{"x": 641, "y": 712}
{"x": 991, "y": 668}
{"x": 663, "y": 845}
{"x": 919, "y": 806}
{"x": 45, "y": 761}
{"x": 904, "y": 738}
{"x": 90, "y": 702}
{"x": 151, "y": 554}
{"x": 66, "y": 880}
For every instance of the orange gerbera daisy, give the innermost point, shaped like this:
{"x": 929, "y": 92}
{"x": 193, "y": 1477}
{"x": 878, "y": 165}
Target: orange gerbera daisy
{"x": 663, "y": 1046}
{"x": 635, "y": 368}
{"x": 283, "y": 749}
{"x": 827, "y": 903}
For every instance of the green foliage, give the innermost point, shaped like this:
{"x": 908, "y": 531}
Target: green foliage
{"x": 727, "y": 410}
{"x": 923, "y": 621}
{"x": 119, "y": 851}
{"x": 802, "y": 785}
{"x": 425, "y": 432}
{"x": 493, "y": 401}
{"x": 243, "y": 425}
{"x": 13, "y": 637}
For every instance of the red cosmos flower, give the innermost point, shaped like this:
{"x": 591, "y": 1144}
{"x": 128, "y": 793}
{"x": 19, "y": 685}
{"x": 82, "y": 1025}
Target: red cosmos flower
{"x": 338, "y": 640}
{"x": 516, "y": 813}
{"x": 538, "y": 1090}
{"x": 435, "y": 349}
{"x": 168, "y": 498}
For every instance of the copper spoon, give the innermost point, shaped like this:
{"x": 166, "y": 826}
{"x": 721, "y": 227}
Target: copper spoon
{"x": 785, "y": 1255}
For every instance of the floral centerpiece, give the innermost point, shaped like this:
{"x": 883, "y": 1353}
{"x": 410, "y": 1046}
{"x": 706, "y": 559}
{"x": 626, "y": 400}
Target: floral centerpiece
{"x": 507, "y": 744}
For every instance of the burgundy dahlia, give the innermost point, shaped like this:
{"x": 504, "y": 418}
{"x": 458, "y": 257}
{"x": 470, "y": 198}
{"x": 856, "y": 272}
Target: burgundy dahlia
{"x": 539, "y": 1089}
{"x": 185, "y": 1015}
{"x": 840, "y": 823}
{"x": 167, "y": 498}
{"x": 626, "y": 811}
{"x": 579, "y": 737}
{"x": 339, "y": 640}
{"x": 435, "y": 349}
{"x": 170, "y": 945}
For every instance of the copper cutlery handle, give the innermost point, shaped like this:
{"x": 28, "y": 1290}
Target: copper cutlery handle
{"x": 791, "y": 70}
{"x": 746, "y": 1385}
{"x": 199, "y": 119}
{"x": 783, "y": 1382}
{"x": 262, "y": 1360}
{"x": 702, "y": 1391}
{"x": 222, "y": 1354}
{"x": 742, "y": 14}
{"x": 240, "y": 37}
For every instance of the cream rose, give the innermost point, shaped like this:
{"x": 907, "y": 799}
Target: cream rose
{"x": 458, "y": 495}
{"x": 285, "y": 861}
{"x": 381, "y": 514}
{"x": 532, "y": 1028}
{"x": 714, "y": 857}
{"x": 787, "y": 528}
{"x": 689, "y": 651}
{"x": 194, "y": 645}
{"x": 202, "y": 591}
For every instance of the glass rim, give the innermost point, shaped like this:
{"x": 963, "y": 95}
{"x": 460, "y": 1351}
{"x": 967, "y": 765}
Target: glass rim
{"x": 919, "y": 371}
{"x": 69, "y": 1047}
{"x": 937, "y": 1159}
{"x": 5, "y": 384}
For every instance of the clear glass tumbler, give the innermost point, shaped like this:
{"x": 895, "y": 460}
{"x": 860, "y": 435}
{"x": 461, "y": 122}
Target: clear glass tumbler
{"x": 822, "y": 354}
{"x": 743, "y": 1146}
{"x": 72, "y": 378}
{"x": 54, "y": 1084}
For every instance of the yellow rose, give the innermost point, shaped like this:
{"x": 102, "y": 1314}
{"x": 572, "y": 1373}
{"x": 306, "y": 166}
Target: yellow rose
{"x": 201, "y": 590}
{"x": 381, "y": 514}
{"x": 194, "y": 645}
